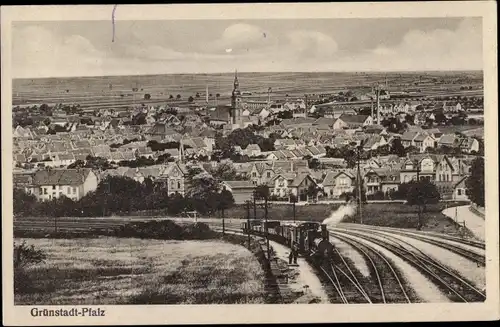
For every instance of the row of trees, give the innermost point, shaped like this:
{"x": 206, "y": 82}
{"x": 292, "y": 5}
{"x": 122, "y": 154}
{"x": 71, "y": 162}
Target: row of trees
{"x": 224, "y": 145}
{"x": 120, "y": 195}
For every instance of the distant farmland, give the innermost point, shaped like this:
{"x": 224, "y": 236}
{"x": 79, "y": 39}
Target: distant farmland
{"x": 116, "y": 91}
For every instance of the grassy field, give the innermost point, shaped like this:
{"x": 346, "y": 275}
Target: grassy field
{"x": 116, "y": 91}
{"x": 133, "y": 271}
{"x": 453, "y": 129}
{"x": 400, "y": 215}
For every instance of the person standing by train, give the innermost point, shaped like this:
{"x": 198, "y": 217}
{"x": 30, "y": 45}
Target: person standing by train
{"x": 295, "y": 253}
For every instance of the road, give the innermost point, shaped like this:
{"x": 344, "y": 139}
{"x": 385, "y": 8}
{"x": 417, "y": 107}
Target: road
{"x": 472, "y": 221}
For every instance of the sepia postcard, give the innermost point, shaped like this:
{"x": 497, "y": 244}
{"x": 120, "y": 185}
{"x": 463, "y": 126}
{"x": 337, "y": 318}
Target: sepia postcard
{"x": 249, "y": 163}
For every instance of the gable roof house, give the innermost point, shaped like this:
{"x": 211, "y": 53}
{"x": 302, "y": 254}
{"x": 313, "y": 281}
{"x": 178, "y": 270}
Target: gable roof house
{"x": 48, "y": 184}
{"x": 336, "y": 183}
{"x": 352, "y": 121}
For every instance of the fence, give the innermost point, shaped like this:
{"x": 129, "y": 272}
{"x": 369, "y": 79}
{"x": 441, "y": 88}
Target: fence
{"x": 475, "y": 209}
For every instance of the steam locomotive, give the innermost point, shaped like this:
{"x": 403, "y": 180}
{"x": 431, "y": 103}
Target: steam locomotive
{"x": 311, "y": 239}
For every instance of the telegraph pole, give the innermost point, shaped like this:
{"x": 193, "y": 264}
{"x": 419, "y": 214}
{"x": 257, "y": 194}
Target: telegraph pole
{"x": 420, "y": 198}
{"x": 254, "y": 205}
{"x": 223, "y": 222}
{"x": 248, "y": 222}
{"x": 267, "y": 230}
{"x": 359, "y": 186}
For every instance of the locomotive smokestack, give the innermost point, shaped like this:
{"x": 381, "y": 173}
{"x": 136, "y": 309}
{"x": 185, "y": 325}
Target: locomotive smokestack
{"x": 324, "y": 232}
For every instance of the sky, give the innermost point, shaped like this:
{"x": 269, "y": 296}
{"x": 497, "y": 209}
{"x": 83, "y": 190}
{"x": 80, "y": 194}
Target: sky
{"x": 86, "y": 48}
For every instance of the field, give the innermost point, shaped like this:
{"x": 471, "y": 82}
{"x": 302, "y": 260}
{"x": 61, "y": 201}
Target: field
{"x": 116, "y": 91}
{"x": 400, "y": 215}
{"x": 461, "y": 128}
{"x": 133, "y": 271}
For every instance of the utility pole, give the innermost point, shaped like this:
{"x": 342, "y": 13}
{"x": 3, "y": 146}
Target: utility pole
{"x": 359, "y": 186}
{"x": 223, "y": 222}
{"x": 378, "y": 105}
{"x": 267, "y": 230}
{"x": 254, "y": 205}
{"x": 248, "y": 222}
{"x": 420, "y": 198}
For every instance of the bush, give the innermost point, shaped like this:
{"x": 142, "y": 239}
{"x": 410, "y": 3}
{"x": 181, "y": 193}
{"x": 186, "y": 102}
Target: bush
{"x": 379, "y": 195}
{"x": 165, "y": 230}
{"x": 24, "y": 256}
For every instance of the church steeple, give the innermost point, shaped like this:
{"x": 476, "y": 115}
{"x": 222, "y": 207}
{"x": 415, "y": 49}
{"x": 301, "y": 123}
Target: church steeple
{"x": 236, "y": 83}
{"x": 236, "y": 108}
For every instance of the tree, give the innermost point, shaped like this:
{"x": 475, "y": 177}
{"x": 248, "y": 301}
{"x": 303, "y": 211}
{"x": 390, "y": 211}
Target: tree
{"x": 197, "y": 94}
{"x": 23, "y": 202}
{"x": 225, "y": 172}
{"x": 147, "y": 96}
{"x": 475, "y": 182}
{"x": 170, "y": 96}
{"x": 285, "y": 114}
{"x": 217, "y": 95}
{"x": 349, "y": 156}
{"x": 422, "y": 193}
{"x": 312, "y": 191}
{"x": 203, "y": 189}
{"x": 398, "y": 148}
{"x": 440, "y": 118}
{"x": 190, "y": 99}
{"x": 262, "y": 192}
{"x": 314, "y": 163}
{"x": 224, "y": 201}
{"x": 178, "y": 96}
{"x": 410, "y": 119}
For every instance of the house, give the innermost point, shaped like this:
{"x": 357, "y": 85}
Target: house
{"x": 459, "y": 190}
{"x": 324, "y": 121}
{"x": 408, "y": 138}
{"x": 288, "y": 144}
{"x": 390, "y": 181}
{"x": 448, "y": 140}
{"x": 252, "y": 150}
{"x": 444, "y": 170}
{"x": 279, "y": 185}
{"x": 374, "y": 142}
{"x": 173, "y": 177}
{"x": 336, "y": 183}
{"x": 22, "y": 132}
{"x": 469, "y": 145}
{"x": 62, "y": 159}
{"x": 48, "y": 184}
{"x": 331, "y": 110}
{"x": 352, "y": 121}
{"x": 242, "y": 191}
{"x": 300, "y": 186}
{"x": 423, "y": 141}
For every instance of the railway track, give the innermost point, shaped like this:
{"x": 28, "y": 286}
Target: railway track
{"x": 345, "y": 286}
{"x": 390, "y": 289}
{"x": 468, "y": 254}
{"x": 427, "y": 234}
{"x": 353, "y": 278}
{"x": 453, "y": 285}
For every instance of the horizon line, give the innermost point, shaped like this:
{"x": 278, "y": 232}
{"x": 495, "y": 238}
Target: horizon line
{"x": 267, "y": 72}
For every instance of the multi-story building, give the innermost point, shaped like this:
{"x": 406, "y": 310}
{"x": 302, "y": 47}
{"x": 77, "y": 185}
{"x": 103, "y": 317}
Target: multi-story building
{"x": 48, "y": 184}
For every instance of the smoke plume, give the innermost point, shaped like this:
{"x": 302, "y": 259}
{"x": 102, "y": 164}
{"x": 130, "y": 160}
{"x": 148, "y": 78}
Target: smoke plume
{"x": 337, "y": 216}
